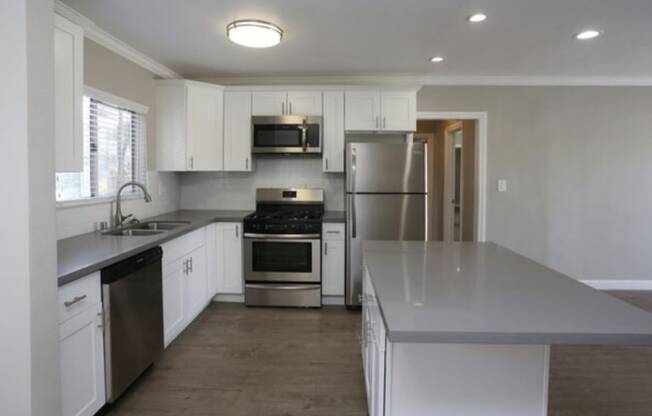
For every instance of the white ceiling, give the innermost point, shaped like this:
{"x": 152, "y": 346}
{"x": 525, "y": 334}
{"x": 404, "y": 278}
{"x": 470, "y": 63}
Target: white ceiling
{"x": 521, "y": 38}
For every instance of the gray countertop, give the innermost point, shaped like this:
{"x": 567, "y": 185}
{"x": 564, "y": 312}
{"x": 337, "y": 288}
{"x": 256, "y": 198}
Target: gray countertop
{"x": 484, "y": 293}
{"x": 86, "y": 253}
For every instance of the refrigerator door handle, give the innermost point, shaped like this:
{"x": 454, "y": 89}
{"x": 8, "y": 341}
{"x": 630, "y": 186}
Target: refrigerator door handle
{"x": 354, "y": 162}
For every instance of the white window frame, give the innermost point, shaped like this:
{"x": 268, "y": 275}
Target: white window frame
{"x": 123, "y": 103}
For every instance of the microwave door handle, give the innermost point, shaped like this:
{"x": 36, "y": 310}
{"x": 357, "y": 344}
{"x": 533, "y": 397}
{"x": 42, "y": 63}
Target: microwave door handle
{"x": 304, "y": 137}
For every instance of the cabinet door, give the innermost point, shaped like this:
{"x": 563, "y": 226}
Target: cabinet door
{"x": 196, "y": 283}
{"x": 230, "y": 258}
{"x": 174, "y": 280}
{"x": 362, "y": 110}
{"x": 237, "y": 131}
{"x": 211, "y": 261}
{"x": 269, "y": 103}
{"x": 399, "y": 110}
{"x": 304, "y": 103}
{"x": 205, "y": 129}
{"x": 333, "y": 131}
{"x": 68, "y": 94}
{"x": 81, "y": 354}
{"x": 333, "y": 268}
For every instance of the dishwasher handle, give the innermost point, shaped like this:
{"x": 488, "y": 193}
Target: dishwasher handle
{"x": 128, "y": 266}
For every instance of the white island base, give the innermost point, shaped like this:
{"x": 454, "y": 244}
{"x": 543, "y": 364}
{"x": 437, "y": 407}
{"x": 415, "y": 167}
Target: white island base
{"x": 431, "y": 379}
{"x": 466, "y": 380}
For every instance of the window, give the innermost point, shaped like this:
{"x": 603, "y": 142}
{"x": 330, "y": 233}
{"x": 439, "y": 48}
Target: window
{"x": 113, "y": 153}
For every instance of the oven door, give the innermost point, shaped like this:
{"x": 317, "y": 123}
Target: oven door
{"x": 282, "y": 258}
{"x": 287, "y": 134}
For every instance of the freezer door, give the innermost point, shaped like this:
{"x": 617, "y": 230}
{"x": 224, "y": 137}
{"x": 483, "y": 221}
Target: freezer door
{"x": 379, "y": 217}
{"x": 385, "y": 168}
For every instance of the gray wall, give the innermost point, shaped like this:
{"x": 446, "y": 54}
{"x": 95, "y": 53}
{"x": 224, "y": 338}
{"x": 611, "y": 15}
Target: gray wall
{"x": 578, "y": 161}
{"x": 112, "y": 73}
{"x": 236, "y": 190}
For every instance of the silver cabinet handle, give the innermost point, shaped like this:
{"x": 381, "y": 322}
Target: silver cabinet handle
{"x": 237, "y": 232}
{"x": 384, "y": 121}
{"x": 247, "y": 164}
{"x": 192, "y": 162}
{"x": 282, "y": 287}
{"x": 376, "y": 121}
{"x": 326, "y": 160}
{"x": 283, "y": 108}
{"x": 74, "y": 300}
{"x": 290, "y": 112}
{"x": 325, "y": 248}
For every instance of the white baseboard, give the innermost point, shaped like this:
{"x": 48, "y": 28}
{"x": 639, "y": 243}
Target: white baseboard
{"x": 229, "y": 298}
{"x": 619, "y": 284}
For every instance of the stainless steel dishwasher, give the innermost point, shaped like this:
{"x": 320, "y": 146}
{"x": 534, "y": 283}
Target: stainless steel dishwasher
{"x": 132, "y": 294}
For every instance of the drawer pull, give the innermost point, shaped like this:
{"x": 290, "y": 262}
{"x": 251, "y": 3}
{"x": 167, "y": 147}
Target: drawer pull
{"x": 74, "y": 300}
{"x": 332, "y": 232}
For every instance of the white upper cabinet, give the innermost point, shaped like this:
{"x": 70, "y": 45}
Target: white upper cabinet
{"x": 285, "y": 103}
{"x": 333, "y": 132}
{"x": 399, "y": 110}
{"x": 237, "y": 131}
{"x": 68, "y": 94}
{"x": 269, "y": 103}
{"x": 384, "y": 110}
{"x": 362, "y": 110}
{"x": 189, "y": 126}
{"x": 304, "y": 103}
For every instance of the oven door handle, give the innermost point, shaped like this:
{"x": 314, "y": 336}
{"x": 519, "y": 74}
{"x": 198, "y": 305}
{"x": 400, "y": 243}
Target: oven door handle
{"x": 283, "y": 287}
{"x": 282, "y": 236}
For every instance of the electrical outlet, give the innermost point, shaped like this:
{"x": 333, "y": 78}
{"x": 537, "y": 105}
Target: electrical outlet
{"x": 502, "y": 185}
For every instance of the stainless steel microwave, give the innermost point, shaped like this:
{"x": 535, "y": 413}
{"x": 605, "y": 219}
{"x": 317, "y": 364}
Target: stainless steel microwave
{"x": 286, "y": 134}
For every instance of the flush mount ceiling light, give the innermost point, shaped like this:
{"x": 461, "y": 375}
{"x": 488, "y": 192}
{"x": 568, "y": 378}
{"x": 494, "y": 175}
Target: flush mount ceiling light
{"x": 588, "y": 34}
{"x": 477, "y": 18}
{"x": 437, "y": 59}
{"x": 254, "y": 33}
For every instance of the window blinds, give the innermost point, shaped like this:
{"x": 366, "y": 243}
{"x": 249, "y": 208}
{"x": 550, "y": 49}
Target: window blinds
{"x": 114, "y": 152}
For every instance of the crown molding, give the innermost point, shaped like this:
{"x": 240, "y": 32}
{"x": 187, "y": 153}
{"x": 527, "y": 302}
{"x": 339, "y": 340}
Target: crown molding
{"x": 98, "y": 35}
{"x": 432, "y": 80}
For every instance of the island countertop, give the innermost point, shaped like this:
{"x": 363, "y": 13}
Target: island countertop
{"x": 482, "y": 293}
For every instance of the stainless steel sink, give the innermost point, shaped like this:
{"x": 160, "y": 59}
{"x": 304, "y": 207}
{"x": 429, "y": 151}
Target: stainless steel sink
{"x": 133, "y": 232}
{"x": 158, "y": 225}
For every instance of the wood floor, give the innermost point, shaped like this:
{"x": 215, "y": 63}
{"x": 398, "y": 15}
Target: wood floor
{"x": 247, "y": 361}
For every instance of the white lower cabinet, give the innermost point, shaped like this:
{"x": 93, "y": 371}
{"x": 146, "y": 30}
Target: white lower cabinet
{"x": 185, "y": 282}
{"x": 229, "y": 259}
{"x": 373, "y": 350}
{"x": 333, "y": 260}
{"x": 81, "y": 347}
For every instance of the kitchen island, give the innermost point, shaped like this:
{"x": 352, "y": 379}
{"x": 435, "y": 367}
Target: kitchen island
{"x": 465, "y": 328}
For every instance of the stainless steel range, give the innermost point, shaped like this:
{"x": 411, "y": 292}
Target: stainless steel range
{"x": 282, "y": 248}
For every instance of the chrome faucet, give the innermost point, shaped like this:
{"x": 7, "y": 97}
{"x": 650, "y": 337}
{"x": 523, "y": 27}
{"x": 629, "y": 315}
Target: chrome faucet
{"x": 119, "y": 218}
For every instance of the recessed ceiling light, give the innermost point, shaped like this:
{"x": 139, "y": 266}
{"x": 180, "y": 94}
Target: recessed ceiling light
{"x": 588, "y": 34}
{"x": 254, "y": 33}
{"x": 477, "y": 18}
{"x": 437, "y": 59}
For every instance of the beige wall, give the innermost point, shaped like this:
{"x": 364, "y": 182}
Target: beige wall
{"x": 112, "y": 73}
{"x": 578, "y": 161}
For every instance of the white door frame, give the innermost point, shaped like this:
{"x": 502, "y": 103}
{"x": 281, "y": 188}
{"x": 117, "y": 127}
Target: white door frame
{"x": 480, "y": 160}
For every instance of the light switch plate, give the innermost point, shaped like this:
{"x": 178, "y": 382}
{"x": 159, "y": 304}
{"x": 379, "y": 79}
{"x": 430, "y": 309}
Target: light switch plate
{"x": 502, "y": 185}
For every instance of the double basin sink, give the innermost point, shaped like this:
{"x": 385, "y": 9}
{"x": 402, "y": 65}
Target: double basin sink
{"x": 145, "y": 228}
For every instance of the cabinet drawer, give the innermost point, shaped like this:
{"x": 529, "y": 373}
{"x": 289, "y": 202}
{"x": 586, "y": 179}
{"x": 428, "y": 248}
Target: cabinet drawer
{"x": 179, "y": 247}
{"x": 78, "y": 296}
{"x": 333, "y": 231}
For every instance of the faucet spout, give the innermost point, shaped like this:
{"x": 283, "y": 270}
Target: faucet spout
{"x": 119, "y": 218}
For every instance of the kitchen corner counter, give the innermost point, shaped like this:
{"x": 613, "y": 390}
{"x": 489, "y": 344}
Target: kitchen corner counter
{"x": 334, "y": 217}
{"x": 81, "y": 255}
{"x": 482, "y": 293}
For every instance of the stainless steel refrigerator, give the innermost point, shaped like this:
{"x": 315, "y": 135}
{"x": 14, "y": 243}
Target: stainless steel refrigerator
{"x": 386, "y": 199}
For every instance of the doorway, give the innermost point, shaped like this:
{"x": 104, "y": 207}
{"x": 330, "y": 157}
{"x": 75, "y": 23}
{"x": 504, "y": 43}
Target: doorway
{"x": 452, "y": 178}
